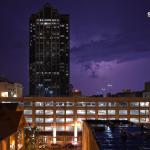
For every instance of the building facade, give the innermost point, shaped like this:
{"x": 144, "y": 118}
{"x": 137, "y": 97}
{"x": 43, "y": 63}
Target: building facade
{"x": 59, "y": 116}
{"x": 10, "y": 89}
{"x": 49, "y": 53}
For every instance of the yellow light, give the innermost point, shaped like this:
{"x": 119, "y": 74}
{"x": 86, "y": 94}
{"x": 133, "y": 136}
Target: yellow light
{"x": 54, "y": 134}
{"x": 4, "y": 94}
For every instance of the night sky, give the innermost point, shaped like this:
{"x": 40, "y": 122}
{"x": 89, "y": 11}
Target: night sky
{"x": 110, "y": 42}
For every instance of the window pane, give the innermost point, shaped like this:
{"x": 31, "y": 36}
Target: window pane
{"x": 123, "y": 104}
{"x": 111, "y": 112}
{"x": 91, "y": 112}
{"x": 48, "y": 120}
{"x": 134, "y": 104}
{"x": 134, "y": 112}
{"x": 49, "y": 103}
{"x": 134, "y": 119}
{"x": 101, "y": 112}
{"x": 60, "y": 112}
{"x": 122, "y": 112}
{"x": 29, "y": 120}
{"x": 39, "y": 112}
{"x": 69, "y": 112}
{"x": 144, "y": 104}
{"x": 69, "y": 119}
{"x": 39, "y": 120}
{"x": 48, "y": 128}
{"x": 39, "y": 103}
{"x": 111, "y": 104}
{"x": 60, "y": 120}
{"x": 102, "y": 104}
{"x": 48, "y": 112}
{"x": 81, "y": 112}
{"x": 28, "y": 112}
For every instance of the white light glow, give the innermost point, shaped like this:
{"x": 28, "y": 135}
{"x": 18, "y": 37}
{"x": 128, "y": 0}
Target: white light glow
{"x": 4, "y": 94}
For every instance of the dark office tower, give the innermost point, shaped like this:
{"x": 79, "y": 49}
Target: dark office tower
{"x": 49, "y": 53}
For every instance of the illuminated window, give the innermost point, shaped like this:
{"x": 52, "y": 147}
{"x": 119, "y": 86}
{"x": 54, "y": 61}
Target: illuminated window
{"x": 28, "y": 112}
{"x": 111, "y": 112}
{"x": 60, "y": 120}
{"x": 80, "y": 119}
{"x": 101, "y": 112}
{"x": 60, "y": 104}
{"x": 143, "y": 120}
{"x": 91, "y": 112}
{"x": 48, "y": 120}
{"x": 39, "y": 112}
{"x": 40, "y": 128}
{"x": 48, "y": 112}
{"x": 60, "y": 112}
{"x": 81, "y": 104}
{"x": 48, "y": 128}
{"x": 69, "y": 128}
{"x": 123, "y": 118}
{"x": 123, "y": 112}
{"x": 49, "y": 103}
{"x": 144, "y": 104}
{"x": 27, "y": 103}
{"x": 39, "y": 103}
{"x": 69, "y": 119}
{"x": 91, "y": 104}
{"x": 102, "y": 104}
{"x": 69, "y": 112}
{"x": 81, "y": 112}
{"x": 123, "y": 104}
{"x": 29, "y": 120}
{"x": 111, "y": 104}
{"x": 39, "y": 120}
{"x": 144, "y": 112}
{"x": 134, "y": 104}
{"x": 134, "y": 112}
{"x": 4, "y": 94}
{"x": 136, "y": 120}
{"x": 60, "y": 128}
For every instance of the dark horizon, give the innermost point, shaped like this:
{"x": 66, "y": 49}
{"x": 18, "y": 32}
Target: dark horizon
{"x": 109, "y": 42}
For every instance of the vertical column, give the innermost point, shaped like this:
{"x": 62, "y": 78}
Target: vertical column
{"x": 75, "y": 141}
{"x": 54, "y": 133}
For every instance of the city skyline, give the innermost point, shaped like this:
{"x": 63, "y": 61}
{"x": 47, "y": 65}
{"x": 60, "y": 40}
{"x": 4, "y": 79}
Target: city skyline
{"x": 109, "y": 42}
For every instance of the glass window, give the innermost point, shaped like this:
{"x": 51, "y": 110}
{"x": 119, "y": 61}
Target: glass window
{"x": 60, "y": 120}
{"x": 144, "y": 112}
{"x": 39, "y": 120}
{"x": 102, "y": 104}
{"x": 29, "y": 120}
{"x": 39, "y": 103}
{"x": 81, "y": 112}
{"x": 69, "y": 103}
{"x": 49, "y": 103}
{"x": 91, "y": 112}
{"x": 48, "y": 112}
{"x": 48, "y": 120}
{"x": 60, "y": 112}
{"x": 123, "y": 104}
{"x": 60, "y": 104}
{"x": 27, "y": 103}
{"x": 111, "y": 104}
{"x": 134, "y": 104}
{"x": 111, "y": 112}
{"x": 143, "y": 120}
{"x": 39, "y": 112}
{"x": 91, "y": 104}
{"x": 134, "y": 112}
{"x": 69, "y": 119}
{"x": 81, "y": 104}
{"x": 123, "y": 112}
{"x": 40, "y": 128}
{"x": 144, "y": 104}
{"x": 60, "y": 128}
{"x": 28, "y": 112}
{"x": 69, "y": 128}
{"x": 48, "y": 128}
{"x": 101, "y": 112}
{"x": 123, "y": 118}
{"x": 69, "y": 112}
{"x": 80, "y": 119}
{"x": 136, "y": 120}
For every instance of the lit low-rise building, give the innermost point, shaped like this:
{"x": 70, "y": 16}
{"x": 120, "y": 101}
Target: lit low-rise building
{"x": 59, "y": 116}
{"x": 9, "y": 89}
{"x": 12, "y": 124}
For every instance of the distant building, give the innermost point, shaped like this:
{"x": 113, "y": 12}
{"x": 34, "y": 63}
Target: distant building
{"x": 76, "y": 93}
{"x": 11, "y": 127}
{"x": 49, "y": 72}
{"x": 10, "y": 89}
{"x": 147, "y": 86}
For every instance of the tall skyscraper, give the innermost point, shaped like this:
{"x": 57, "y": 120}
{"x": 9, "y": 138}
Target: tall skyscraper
{"x": 49, "y": 53}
